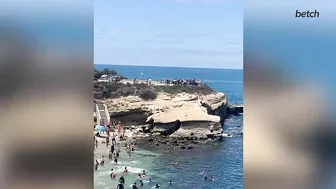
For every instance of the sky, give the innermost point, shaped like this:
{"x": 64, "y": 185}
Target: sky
{"x": 177, "y": 33}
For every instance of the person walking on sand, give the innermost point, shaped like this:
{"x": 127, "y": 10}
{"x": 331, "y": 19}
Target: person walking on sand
{"x": 107, "y": 141}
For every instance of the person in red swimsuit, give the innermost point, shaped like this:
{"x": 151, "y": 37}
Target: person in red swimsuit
{"x": 120, "y": 127}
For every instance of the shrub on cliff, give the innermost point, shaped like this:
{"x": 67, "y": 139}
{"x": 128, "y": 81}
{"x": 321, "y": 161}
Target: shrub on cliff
{"x": 126, "y": 90}
{"x": 113, "y": 87}
{"x": 204, "y": 89}
{"x": 148, "y": 94}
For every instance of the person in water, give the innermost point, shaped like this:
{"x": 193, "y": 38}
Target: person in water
{"x": 96, "y": 165}
{"x": 139, "y": 176}
{"x": 205, "y": 177}
{"x": 125, "y": 171}
{"x": 102, "y": 161}
{"x": 129, "y": 153}
{"x": 115, "y": 159}
{"x": 132, "y": 146}
{"x": 113, "y": 174}
{"x": 122, "y": 180}
{"x": 143, "y": 173}
{"x": 212, "y": 178}
{"x": 170, "y": 182}
{"x": 120, "y": 186}
{"x": 157, "y": 186}
{"x": 141, "y": 183}
{"x": 134, "y": 186}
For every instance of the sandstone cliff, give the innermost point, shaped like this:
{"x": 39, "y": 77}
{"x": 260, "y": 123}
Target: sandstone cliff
{"x": 168, "y": 108}
{"x": 182, "y": 116}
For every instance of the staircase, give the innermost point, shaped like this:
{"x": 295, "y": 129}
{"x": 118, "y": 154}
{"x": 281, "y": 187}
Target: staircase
{"x": 102, "y": 113}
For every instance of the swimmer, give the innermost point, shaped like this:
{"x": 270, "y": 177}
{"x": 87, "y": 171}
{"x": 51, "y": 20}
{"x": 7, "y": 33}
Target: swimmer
{"x": 141, "y": 183}
{"x": 212, "y": 178}
{"x": 170, "y": 182}
{"x": 122, "y": 179}
{"x": 139, "y": 176}
{"x": 144, "y": 173}
{"x": 149, "y": 181}
{"x": 205, "y": 177}
{"x": 157, "y": 186}
{"x": 125, "y": 171}
{"x": 113, "y": 174}
{"x": 120, "y": 186}
{"x": 134, "y": 186}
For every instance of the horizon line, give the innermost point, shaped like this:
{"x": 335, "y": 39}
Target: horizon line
{"x": 167, "y": 66}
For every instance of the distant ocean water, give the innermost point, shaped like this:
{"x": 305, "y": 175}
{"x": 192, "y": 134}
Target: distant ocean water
{"x": 224, "y": 161}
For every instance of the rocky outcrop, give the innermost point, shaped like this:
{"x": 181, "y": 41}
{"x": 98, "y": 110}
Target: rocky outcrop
{"x": 168, "y": 108}
{"x": 235, "y": 109}
{"x": 181, "y": 117}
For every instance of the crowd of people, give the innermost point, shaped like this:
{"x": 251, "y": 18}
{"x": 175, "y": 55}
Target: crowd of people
{"x": 184, "y": 82}
{"x": 113, "y": 141}
{"x": 167, "y": 81}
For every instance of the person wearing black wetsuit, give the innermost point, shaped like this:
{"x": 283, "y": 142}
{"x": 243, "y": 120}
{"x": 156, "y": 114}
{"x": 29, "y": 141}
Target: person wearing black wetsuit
{"x": 134, "y": 186}
{"x": 120, "y": 186}
{"x": 141, "y": 183}
{"x": 122, "y": 179}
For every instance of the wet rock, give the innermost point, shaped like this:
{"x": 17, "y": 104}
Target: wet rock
{"x": 183, "y": 147}
{"x": 190, "y": 147}
{"x": 150, "y": 140}
{"x": 235, "y": 109}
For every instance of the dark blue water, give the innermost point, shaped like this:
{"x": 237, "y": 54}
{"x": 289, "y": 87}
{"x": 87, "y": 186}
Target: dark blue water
{"x": 222, "y": 160}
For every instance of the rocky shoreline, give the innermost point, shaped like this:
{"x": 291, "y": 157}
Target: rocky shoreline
{"x": 174, "y": 121}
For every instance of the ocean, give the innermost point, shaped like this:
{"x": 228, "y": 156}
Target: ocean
{"x": 223, "y": 160}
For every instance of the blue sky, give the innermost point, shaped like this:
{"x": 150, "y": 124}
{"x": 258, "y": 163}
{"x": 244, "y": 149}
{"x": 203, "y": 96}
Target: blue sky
{"x": 181, "y": 33}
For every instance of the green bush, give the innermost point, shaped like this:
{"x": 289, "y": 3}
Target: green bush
{"x": 126, "y": 91}
{"x": 204, "y": 89}
{"x": 148, "y": 94}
